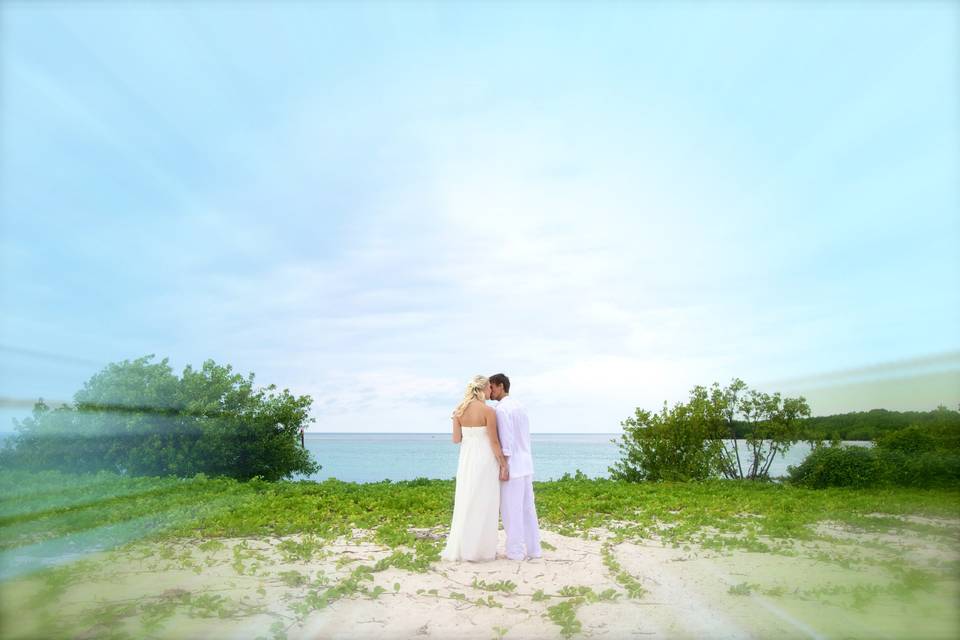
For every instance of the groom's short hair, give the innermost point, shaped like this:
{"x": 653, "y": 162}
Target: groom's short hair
{"x": 502, "y": 380}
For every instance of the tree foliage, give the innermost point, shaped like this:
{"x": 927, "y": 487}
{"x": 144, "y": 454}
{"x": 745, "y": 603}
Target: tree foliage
{"x": 673, "y": 444}
{"x": 838, "y": 466}
{"x": 773, "y": 425}
{"x": 870, "y": 425}
{"x": 696, "y": 439}
{"x": 914, "y": 456}
{"x": 138, "y": 417}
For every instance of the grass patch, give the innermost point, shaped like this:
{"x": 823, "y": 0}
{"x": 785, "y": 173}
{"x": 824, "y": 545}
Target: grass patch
{"x": 216, "y": 508}
{"x": 197, "y": 523}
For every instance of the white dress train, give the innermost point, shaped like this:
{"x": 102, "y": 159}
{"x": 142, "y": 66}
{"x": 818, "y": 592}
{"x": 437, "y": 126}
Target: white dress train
{"x": 476, "y": 507}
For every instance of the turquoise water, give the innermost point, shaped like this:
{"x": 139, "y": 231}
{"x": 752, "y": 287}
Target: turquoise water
{"x": 372, "y": 457}
{"x": 404, "y": 456}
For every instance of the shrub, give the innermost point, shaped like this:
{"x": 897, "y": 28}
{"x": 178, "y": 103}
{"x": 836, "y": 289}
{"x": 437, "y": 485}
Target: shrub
{"x": 138, "y": 417}
{"x": 696, "y": 440}
{"x": 911, "y": 441}
{"x": 671, "y": 445}
{"x": 838, "y": 466}
{"x": 930, "y": 469}
{"x": 910, "y": 457}
{"x": 922, "y": 456}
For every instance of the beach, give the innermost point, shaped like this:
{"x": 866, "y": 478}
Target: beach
{"x": 719, "y": 560}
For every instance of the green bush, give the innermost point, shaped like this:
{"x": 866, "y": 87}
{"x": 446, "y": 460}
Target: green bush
{"x": 911, "y": 441}
{"x": 915, "y": 456}
{"x": 838, "y": 466}
{"x": 670, "y": 445}
{"x": 922, "y": 456}
{"x": 929, "y": 469}
{"x": 139, "y": 418}
{"x": 695, "y": 440}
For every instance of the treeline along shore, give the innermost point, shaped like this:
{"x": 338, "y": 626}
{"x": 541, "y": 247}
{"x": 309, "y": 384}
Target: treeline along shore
{"x": 867, "y": 425}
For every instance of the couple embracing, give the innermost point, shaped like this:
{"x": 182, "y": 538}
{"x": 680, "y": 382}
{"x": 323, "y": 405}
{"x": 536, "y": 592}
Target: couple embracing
{"x": 494, "y": 476}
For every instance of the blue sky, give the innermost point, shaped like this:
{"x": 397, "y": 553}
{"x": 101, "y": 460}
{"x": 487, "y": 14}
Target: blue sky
{"x": 369, "y": 203}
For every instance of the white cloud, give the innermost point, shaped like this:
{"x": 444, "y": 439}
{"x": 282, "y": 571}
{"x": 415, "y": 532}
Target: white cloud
{"x": 378, "y": 254}
{"x": 589, "y": 290}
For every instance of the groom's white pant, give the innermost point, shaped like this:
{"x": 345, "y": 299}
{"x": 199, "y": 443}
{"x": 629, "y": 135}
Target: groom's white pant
{"x": 520, "y": 518}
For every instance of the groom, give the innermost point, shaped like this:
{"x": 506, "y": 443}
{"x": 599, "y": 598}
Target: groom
{"x": 516, "y": 488}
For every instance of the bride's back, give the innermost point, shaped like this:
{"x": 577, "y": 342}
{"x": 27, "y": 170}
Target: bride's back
{"x": 474, "y": 415}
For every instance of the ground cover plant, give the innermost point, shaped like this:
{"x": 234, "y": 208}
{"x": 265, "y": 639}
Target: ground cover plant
{"x": 283, "y": 536}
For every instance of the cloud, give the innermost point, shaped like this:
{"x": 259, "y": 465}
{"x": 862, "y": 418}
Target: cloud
{"x": 476, "y": 261}
{"x": 374, "y": 231}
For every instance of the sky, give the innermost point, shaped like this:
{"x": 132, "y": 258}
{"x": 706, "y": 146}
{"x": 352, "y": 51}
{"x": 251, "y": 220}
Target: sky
{"x": 371, "y": 202}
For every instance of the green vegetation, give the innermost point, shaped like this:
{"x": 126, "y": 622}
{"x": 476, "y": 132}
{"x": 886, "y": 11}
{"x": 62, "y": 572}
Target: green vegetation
{"x": 564, "y": 615}
{"x": 139, "y": 418}
{"x": 633, "y": 587}
{"x": 870, "y": 425}
{"x": 505, "y": 586}
{"x": 693, "y": 440}
{"x": 216, "y": 508}
{"x": 838, "y": 466}
{"x": 912, "y": 457}
{"x": 186, "y": 474}
{"x": 278, "y": 535}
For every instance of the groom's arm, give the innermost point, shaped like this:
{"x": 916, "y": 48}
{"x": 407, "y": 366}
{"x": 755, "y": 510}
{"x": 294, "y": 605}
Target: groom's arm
{"x": 505, "y": 431}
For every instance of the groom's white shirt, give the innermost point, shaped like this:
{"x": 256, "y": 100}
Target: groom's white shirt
{"x": 513, "y": 428}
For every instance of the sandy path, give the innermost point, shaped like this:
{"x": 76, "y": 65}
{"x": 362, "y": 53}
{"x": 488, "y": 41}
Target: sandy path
{"x": 690, "y": 593}
{"x": 810, "y": 590}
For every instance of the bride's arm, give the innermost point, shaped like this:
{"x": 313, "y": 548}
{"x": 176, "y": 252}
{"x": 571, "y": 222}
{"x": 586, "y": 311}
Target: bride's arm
{"x": 457, "y": 431}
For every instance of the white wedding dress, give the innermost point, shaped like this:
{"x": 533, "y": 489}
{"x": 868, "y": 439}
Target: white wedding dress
{"x": 476, "y": 507}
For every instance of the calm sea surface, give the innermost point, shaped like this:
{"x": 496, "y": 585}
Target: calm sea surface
{"x": 372, "y": 457}
{"x": 404, "y": 456}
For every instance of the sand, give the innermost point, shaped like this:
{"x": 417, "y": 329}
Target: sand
{"x": 842, "y": 584}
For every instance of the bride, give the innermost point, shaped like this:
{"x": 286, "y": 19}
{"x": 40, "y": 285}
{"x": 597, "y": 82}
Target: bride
{"x": 476, "y": 506}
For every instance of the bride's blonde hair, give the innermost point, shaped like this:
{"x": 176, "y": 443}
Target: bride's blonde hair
{"x": 474, "y": 392}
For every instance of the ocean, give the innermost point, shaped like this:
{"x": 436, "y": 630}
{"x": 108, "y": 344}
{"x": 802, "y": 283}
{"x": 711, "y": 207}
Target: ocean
{"x": 373, "y": 457}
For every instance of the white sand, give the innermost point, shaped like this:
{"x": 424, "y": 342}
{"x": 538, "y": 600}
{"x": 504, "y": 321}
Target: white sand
{"x": 688, "y": 591}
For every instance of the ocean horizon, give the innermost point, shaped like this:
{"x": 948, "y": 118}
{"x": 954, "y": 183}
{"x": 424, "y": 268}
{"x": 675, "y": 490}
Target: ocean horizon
{"x": 396, "y": 456}
{"x": 374, "y": 457}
